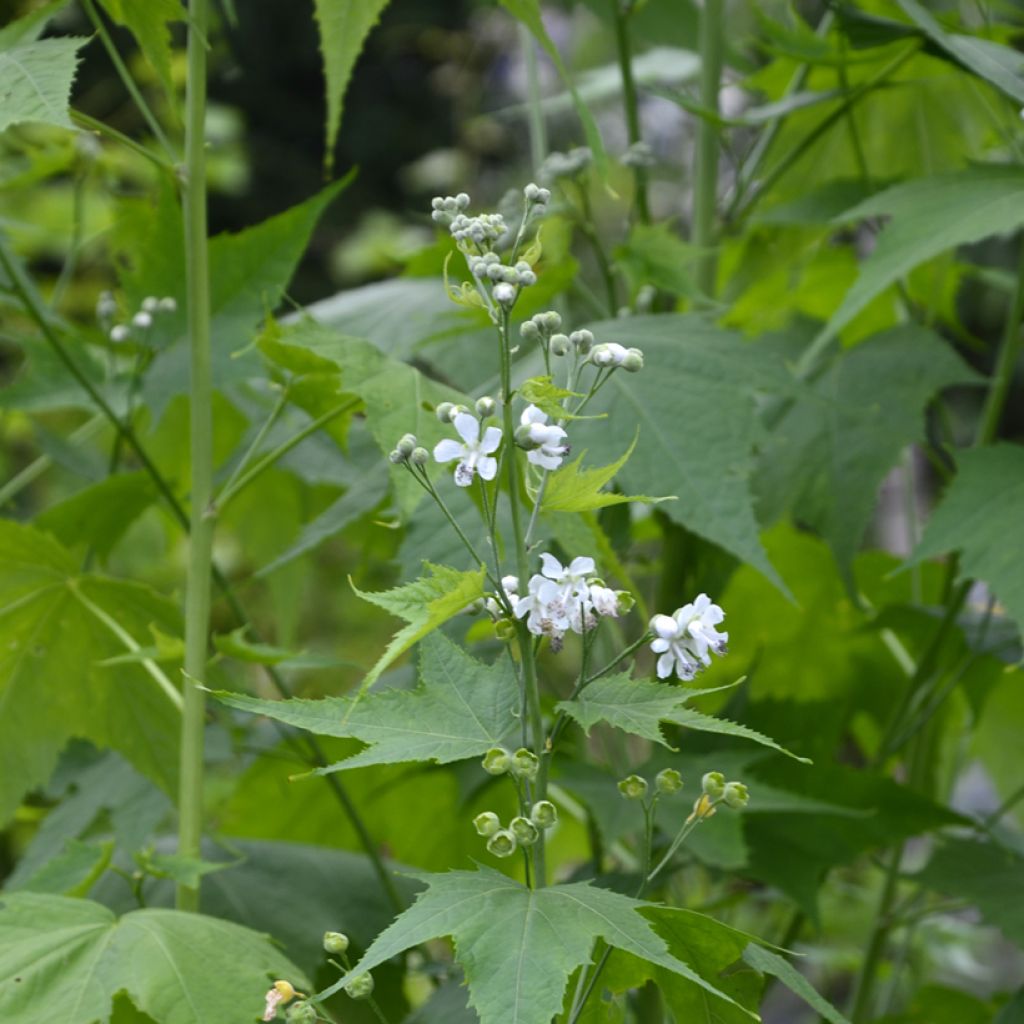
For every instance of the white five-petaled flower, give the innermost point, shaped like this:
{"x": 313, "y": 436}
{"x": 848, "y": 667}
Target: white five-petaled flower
{"x": 561, "y": 598}
{"x": 474, "y": 453}
{"x": 548, "y": 437}
{"x": 685, "y": 639}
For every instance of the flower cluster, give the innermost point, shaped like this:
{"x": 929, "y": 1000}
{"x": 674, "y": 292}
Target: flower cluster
{"x": 612, "y": 355}
{"x": 686, "y": 638}
{"x": 714, "y": 791}
{"x": 489, "y": 265}
{"x": 520, "y": 831}
{"x": 560, "y": 599}
{"x": 666, "y": 782}
{"x": 484, "y": 229}
{"x": 545, "y": 443}
{"x": 565, "y": 165}
{"x": 142, "y": 320}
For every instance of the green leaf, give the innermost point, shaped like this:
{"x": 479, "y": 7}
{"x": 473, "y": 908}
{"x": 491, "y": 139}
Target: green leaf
{"x": 147, "y": 20}
{"x": 35, "y": 81}
{"x": 29, "y": 27}
{"x": 656, "y": 255}
{"x": 461, "y": 709}
{"x": 344, "y": 26}
{"x": 640, "y": 707}
{"x": 989, "y": 876}
{"x": 529, "y": 13}
{"x": 571, "y": 489}
{"x": 71, "y": 873}
{"x": 518, "y": 946}
{"x": 826, "y": 458}
{"x": 694, "y": 405}
{"x": 929, "y": 216}
{"x": 547, "y": 396}
{"x": 980, "y": 516}
{"x": 99, "y": 515}
{"x": 1000, "y": 65}
{"x": 767, "y": 962}
{"x": 51, "y": 687}
{"x": 65, "y": 959}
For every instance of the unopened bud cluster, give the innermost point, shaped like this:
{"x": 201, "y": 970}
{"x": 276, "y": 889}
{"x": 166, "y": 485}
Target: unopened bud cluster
{"x": 611, "y": 355}
{"x": 565, "y": 165}
{"x": 408, "y": 452}
{"x": 141, "y": 320}
{"x": 716, "y": 790}
{"x": 523, "y": 764}
{"x": 522, "y": 830}
{"x": 666, "y": 782}
{"x": 489, "y": 266}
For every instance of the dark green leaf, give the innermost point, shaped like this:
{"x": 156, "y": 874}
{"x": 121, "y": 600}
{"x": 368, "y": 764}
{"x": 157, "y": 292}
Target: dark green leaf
{"x": 767, "y": 962}
{"x": 147, "y": 20}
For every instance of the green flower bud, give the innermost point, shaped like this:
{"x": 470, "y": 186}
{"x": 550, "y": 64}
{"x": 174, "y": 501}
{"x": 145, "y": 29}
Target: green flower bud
{"x": 406, "y": 444}
{"x": 633, "y": 361}
{"x": 668, "y": 780}
{"x": 559, "y": 345}
{"x": 736, "y": 795}
{"x": 485, "y": 407}
{"x": 502, "y": 843}
{"x": 550, "y": 321}
{"x": 444, "y": 412}
{"x": 544, "y": 814}
{"x": 525, "y": 764}
{"x": 505, "y": 630}
{"x": 497, "y": 761}
{"x": 360, "y": 986}
{"x": 301, "y": 1013}
{"x": 396, "y": 457}
{"x": 529, "y": 331}
{"x": 335, "y": 942}
{"x": 583, "y": 340}
{"x": 524, "y": 437}
{"x": 419, "y": 457}
{"x": 525, "y": 831}
{"x": 713, "y": 785}
{"x": 486, "y": 824}
{"x": 633, "y": 787}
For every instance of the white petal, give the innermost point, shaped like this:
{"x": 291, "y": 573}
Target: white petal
{"x": 467, "y": 426}
{"x": 539, "y": 458}
{"x": 665, "y": 626}
{"x": 487, "y": 467}
{"x": 531, "y": 414}
{"x": 448, "y": 449}
{"x": 464, "y": 474}
{"x": 491, "y": 441}
{"x": 660, "y": 646}
{"x": 665, "y": 665}
{"x": 551, "y": 566}
{"x": 581, "y": 566}
{"x": 714, "y": 615}
{"x": 700, "y": 603}
{"x": 683, "y": 615}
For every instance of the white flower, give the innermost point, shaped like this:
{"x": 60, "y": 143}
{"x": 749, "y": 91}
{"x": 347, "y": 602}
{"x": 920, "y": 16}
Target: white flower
{"x": 510, "y": 585}
{"x": 563, "y": 598}
{"x": 142, "y": 319}
{"x": 608, "y": 354}
{"x": 474, "y": 454}
{"x": 546, "y": 436}
{"x": 685, "y": 639}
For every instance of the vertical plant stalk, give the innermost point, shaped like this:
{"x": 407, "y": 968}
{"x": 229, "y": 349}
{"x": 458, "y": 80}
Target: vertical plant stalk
{"x": 531, "y": 690}
{"x": 197, "y": 591}
{"x": 535, "y": 113}
{"x": 622, "y": 11}
{"x": 705, "y": 175}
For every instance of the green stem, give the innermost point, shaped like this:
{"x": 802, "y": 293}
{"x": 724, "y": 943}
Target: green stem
{"x": 197, "y": 590}
{"x": 586, "y": 225}
{"x": 705, "y": 176}
{"x": 535, "y": 112}
{"x": 250, "y": 452}
{"x": 621, "y": 14}
{"x": 999, "y": 388}
{"x": 531, "y": 690}
{"x": 129, "y": 82}
{"x": 92, "y": 124}
{"x": 240, "y": 481}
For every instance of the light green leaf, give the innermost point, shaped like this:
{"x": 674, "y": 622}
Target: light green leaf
{"x": 99, "y": 515}
{"x": 28, "y": 28}
{"x": 694, "y": 405}
{"x": 147, "y": 20}
{"x": 656, "y": 255}
{"x": 518, "y": 946}
{"x": 640, "y": 707}
{"x": 65, "y": 959}
{"x": 767, "y": 962}
{"x": 35, "y": 81}
{"x": 70, "y": 873}
{"x": 998, "y": 64}
{"x": 929, "y": 216}
{"x": 529, "y": 13}
{"x": 344, "y": 26}
{"x": 826, "y": 458}
{"x": 461, "y": 709}
{"x": 571, "y": 489}
{"x": 980, "y": 516}
{"x": 51, "y": 687}
{"x": 547, "y": 396}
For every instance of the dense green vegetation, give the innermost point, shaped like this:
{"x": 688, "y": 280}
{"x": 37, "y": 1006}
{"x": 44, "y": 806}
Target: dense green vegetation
{"x": 530, "y": 532}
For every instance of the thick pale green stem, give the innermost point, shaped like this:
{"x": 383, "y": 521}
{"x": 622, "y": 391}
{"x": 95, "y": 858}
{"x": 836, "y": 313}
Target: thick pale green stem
{"x": 621, "y": 13}
{"x": 535, "y": 113}
{"x": 197, "y": 591}
{"x": 705, "y": 176}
